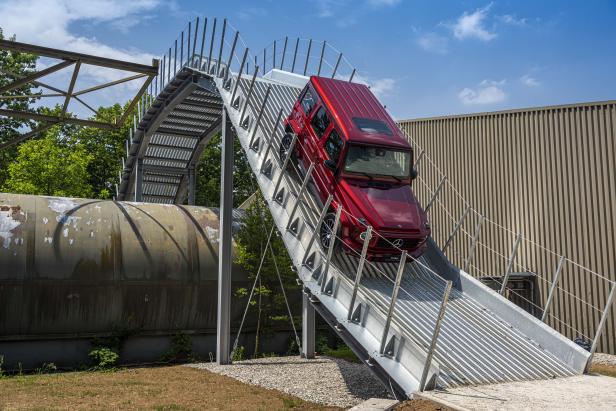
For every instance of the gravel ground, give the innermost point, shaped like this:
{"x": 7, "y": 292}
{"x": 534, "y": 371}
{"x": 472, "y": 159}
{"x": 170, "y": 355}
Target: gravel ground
{"x": 581, "y": 392}
{"x": 324, "y": 380}
{"x": 605, "y": 359}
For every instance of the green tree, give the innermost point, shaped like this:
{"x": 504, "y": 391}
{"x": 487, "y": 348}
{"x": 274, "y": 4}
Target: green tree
{"x": 107, "y": 147}
{"x": 48, "y": 166}
{"x": 268, "y": 298}
{"x": 14, "y": 65}
{"x": 208, "y": 175}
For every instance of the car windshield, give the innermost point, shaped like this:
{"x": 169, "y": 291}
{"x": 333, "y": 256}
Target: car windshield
{"x": 378, "y": 161}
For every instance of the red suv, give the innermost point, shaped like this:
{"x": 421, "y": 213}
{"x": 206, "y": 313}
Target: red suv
{"x": 364, "y": 161}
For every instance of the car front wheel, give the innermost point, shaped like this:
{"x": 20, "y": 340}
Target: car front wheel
{"x": 325, "y": 232}
{"x": 285, "y": 144}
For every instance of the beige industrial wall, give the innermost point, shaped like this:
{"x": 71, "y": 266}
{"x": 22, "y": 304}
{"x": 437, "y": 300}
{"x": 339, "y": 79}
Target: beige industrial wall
{"x": 547, "y": 173}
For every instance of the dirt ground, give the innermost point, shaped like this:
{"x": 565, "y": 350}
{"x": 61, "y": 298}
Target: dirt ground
{"x": 161, "y": 388}
{"x": 421, "y": 405}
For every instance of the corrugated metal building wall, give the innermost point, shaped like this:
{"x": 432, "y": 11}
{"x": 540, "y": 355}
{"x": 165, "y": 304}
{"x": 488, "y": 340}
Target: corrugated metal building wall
{"x": 545, "y": 173}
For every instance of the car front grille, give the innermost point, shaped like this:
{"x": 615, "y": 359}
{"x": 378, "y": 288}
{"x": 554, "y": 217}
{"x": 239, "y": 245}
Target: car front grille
{"x": 407, "y": 243}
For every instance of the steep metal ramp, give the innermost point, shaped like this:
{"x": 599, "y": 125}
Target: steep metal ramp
{"x": 390, "y": 315}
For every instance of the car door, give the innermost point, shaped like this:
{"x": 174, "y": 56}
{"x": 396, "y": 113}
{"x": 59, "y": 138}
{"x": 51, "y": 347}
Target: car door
{"x": 320, "y": 125}
{"x": 302, "y": 115}
{"x": 332, "y": 149}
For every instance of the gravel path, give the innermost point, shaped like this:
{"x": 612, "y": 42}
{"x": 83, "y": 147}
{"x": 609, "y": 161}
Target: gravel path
{"x": 324, "y": 380}
{"x": 581, "y": 392}
{"x": 605, "y": 359}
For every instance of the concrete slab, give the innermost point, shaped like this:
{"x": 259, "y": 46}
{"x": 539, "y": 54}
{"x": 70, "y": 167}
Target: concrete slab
{"x": 375, "y": 404}
{"x": 582, "y": 392}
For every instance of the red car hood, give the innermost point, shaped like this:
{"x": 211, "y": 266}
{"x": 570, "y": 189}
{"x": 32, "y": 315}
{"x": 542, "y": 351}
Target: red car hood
{"x": 387, "y": 207}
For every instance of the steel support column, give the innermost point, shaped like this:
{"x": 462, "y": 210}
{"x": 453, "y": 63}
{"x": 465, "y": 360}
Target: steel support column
{"x": 192, "y": 183}
{"x": 139, "y": 181}
{"x": 308, "y": 328}
{"x": 223, "y": 325}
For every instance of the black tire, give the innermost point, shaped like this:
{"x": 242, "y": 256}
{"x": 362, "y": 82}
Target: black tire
{"x": 325, "y": 232}
{"x": 285, "y": 143}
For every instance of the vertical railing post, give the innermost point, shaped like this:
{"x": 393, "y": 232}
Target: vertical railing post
{"x": 259, "y": 116}
{"x": 270, "y": 140}
{"x": 330, "y": 248}
{"x": 321, "y": 58}
{"x": 188, "y": 43}
{"x": 300, "y": 195}
{"x": 360, "y": 271}
{"x": 175, "y": 58}
{"x": 202, "y": 42}
{"x": 222, "y": 46}
{"x": 230, "y": 61}
{"x": 248, "y": 95}
{"x": 239, "y": 76}
{"x": 194, "y": 47}
{"x": 510, "y": 263}
{"x": 285, "y": 164}
{"x": 436, "y": 192}
{"x": 284, "y": 52}
{"x": 456, "y": 228}
{"x": 273, "y": 58}
{"x": 315, "y": 233}
{"x": 169, "y": 67}
{"x": 555, "y": 279}
{"x": 604, "y": 315}
{"x": 307, "y": 56}
{"x": 264, "y": 57}
{"x": 471, "y": 252}
{"x": 139, "y": 181}
{"x": 352, "y": 75}
{"x": 209, "y": 55}
{"x": 392, "y": 304}
{"x": 295, "y": 55}
{"x": 182, "y": 47}
{"x": 435, "y": 333}
{"x": 336, "y": 66}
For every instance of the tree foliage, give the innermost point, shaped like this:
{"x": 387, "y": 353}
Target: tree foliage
{"x": 47, "y": 166}
{"x": 208, "y": 175}
{"x": 14, "y": 65}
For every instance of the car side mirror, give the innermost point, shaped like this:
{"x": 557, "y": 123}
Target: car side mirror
{"x": 330, "y": 164}
{"x": 414, "y": 173}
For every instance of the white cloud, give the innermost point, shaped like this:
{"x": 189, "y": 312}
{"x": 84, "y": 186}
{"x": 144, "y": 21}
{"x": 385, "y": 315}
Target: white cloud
{"x": 433, "y": 43}
{"x": 513, "y": 20}
{"x": 529, "y": 81}
{"x": 488, "y": 92}
{"x": 381, "y": 87}
{"x": 49, "y": 23}
{"x": 469, "y": 26}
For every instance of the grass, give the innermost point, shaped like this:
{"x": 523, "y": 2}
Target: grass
{"x": 162, "y": 388}
{"x": 343, "y": 352}
{"x": 604, "y": 369}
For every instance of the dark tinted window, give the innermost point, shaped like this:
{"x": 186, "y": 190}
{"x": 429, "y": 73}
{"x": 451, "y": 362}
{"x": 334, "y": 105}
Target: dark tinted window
{"x": 308, "y": 101}
{"x": 320, "y": 122}
{"x": 368, "y": 125}
{"x": 333, "y": 145}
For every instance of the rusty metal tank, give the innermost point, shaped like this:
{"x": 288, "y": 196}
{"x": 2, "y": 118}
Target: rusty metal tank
{"x": 76, "y": 268}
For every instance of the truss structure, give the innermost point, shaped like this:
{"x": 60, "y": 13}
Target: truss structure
{"x": 76, "y": 61}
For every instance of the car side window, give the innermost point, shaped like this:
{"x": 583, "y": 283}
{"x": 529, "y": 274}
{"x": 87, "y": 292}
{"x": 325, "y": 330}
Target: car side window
{"x": 308, "y": 101}
{"x": 333, "y": 145}
{"x": 320, "y": 122}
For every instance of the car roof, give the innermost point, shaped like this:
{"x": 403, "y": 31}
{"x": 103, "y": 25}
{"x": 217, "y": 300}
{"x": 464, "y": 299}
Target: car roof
{"x": 346, "y": 100}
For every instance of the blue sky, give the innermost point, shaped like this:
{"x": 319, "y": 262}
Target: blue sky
{"x": 423, "y": 58}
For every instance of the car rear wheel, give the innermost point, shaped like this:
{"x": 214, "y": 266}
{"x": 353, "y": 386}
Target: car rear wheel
{"x": 325, "y": 232}
{"x": 285, "y": 144}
